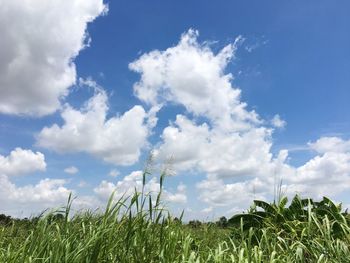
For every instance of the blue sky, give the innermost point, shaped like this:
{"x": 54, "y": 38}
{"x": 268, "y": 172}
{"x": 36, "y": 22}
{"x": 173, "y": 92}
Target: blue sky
{"x": 75, "y": 103}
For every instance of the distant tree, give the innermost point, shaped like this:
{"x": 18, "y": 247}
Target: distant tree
{"x": 55, "y": 218}
{"x": 4, "y": 219}
{"x": 222, "y": 222}
{"x": 195, "y": 223}
{"x": 177, "y": 221}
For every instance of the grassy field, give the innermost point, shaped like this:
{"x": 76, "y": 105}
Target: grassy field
{"x": 137, "y": 229}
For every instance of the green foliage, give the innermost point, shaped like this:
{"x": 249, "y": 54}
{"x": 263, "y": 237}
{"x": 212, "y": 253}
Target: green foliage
{"x": 222, "y": 222}
{"x": 195, "y": 223}
{"x": 311, "y": 231}
{"x": 138, "y": 229}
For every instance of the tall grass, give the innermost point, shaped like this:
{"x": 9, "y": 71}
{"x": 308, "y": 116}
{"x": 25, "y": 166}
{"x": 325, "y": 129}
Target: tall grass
{"x": 139, "y": 229}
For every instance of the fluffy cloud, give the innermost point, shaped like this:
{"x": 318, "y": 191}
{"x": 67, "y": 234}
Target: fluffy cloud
{"x": 178, "y": 197}
{"x": 213, "y": 151}
{"x": 47, "y": 191}
{"x": 328, "y": 173}
{"x": 221, "y": 137}
{"x": 330, "y": 144}
{"x": 116, "y": 140}
{"x": 127, "y": 186}
{"x": 39, "y": 41}
{"x": 45, "y": 195}
{"x": 230, "y": 141}
{"x": 71, "y": 170}
{"x": 21, "y": 162}
{"x": 217, "y": 136}
{"x": 218, "y": 193}
{"x": 278, "y": 122}
{"x": 29, "y": 198}
{"x": 190, "y": 74}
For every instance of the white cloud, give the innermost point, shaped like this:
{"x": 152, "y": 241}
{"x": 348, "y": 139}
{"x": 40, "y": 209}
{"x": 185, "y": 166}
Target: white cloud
{"x": 127, "y": 186}
{"x": 330, "y": 144}
{"x": 47, "y": 191}
{"x": 221, "y": 137}
{"x": 32, "y": 199}
{"x": 178, "y": 197}
{"x": 255, "y": 43}
{"x": 217, "y": 193}
{"x": 71, "y": 170}
{"x": 29, "y": 198}
{"x": 217, "y": 136}
{"x": 214, "y": 151}
{"x": 326, "y": 174}
{"x": 207, "y": 210}
{"x": 224, "y": 139}
{"x": 229, "y": 140}
{"x": 116, "y": 140}
{"x": 190, "y": 74}
{"x": 20, "y": 162}
{"x": 114, "y": 173}
{"x": 39, "y": 41}
{"x": 278, "y": 122}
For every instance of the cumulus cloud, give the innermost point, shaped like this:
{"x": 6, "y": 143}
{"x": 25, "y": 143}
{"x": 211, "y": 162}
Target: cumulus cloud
{"x": 20, "y": 162}
{"x": 330, "y": 144}
{"x": 328, "y": 173}
{"x": 29, "y": 198}
{"x": 278, "y": 122}
{"x": 117, "y": 140}
{"x": 47, "y": 191}
{"x": 218, "y": 193}
{"x": 33, "y": 199}
{"x": 190, "y": 74}
{"x": 71, "y": 170}
{"x": 213, "y": 151}
{"x": 134, "y": 182}
{"x": 217, "y": 136}
{"x": 39, "y": 41}
{"x": 178, "y": 197}
{"x": 221, "y": 137}
{"x": 230, "y": 139}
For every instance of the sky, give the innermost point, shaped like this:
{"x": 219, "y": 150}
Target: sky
{"x": 231, "y": 99}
